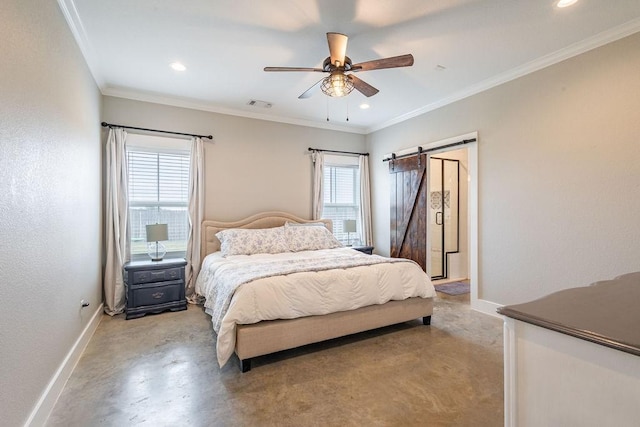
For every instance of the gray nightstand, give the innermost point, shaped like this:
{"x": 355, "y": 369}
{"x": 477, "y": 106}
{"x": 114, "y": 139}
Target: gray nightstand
{"x": 154, "y": 286}
{"x": 365, "y": 249}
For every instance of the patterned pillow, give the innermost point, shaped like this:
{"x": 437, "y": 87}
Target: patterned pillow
{"x": 310, "y": 238}
{"x": 240, "y": 241}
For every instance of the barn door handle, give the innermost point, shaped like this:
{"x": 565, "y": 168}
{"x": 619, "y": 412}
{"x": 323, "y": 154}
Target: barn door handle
{"x": 438, "y": 222}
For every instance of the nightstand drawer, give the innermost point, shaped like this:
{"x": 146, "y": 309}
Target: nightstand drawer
{"x": 153, "y": 295}
{"x": 149, "y": 276}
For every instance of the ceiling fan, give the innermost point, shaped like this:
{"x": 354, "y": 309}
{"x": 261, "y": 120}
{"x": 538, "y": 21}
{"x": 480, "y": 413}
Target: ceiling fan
{"x": 338, "y": 83}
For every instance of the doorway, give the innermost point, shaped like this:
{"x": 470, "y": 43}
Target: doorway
{"x": 447, "y": 216}
{"x": 409, "y": 225}
{"x": 444, "y": 215}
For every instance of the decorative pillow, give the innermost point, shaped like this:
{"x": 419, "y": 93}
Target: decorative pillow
{"x": 241, "y": 241}
{"x": 310, "y": 238}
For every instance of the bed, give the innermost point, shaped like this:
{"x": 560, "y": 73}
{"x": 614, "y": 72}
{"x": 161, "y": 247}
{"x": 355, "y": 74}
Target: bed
{"x": 262, "y": 303}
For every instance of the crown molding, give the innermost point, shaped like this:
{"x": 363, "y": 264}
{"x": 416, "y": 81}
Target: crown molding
{"x": 202, "y": 106}
{"x": 570, "y": 51}
{"x": 74, "y": 22}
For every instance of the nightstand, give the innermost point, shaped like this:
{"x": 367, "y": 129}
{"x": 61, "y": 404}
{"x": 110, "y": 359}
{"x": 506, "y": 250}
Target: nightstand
{"x": 364, "y": 249}
{"x": 154, "y": 286}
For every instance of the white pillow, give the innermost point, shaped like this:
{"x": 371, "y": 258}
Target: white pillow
{"x": 310, "y": 238}
{"x": 241, "y": 241}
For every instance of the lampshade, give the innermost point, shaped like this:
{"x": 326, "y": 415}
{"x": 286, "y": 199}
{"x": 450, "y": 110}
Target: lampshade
{"x": 349, "y": 225}
{"x": 157, "y": 232}
{"x": 336, "y": 85}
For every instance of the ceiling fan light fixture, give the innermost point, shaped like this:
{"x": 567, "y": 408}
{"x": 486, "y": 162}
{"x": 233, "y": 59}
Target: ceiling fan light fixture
{"x": 336, "y": 85}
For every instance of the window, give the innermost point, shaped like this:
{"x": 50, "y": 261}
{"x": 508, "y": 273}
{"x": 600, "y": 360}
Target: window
{"x": 342, "y": 195}
{"x": 158, "y": 171}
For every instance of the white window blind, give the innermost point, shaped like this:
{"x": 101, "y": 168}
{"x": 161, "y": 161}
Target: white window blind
{"x": 342, "y": 195}
{"x": 158, "y": 193}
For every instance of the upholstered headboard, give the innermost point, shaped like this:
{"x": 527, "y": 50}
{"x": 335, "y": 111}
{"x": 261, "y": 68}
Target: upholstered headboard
{"x": 210, "y": 242}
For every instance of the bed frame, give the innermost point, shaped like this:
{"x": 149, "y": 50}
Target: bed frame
{"x": 275, "y": 335}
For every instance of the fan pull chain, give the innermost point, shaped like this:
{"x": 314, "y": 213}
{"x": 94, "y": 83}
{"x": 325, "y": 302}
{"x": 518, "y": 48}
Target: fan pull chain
{"x": 347, "y": 109}
{"x": 327, "y": 109}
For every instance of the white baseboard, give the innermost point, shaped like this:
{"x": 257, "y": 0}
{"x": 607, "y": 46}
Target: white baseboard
{"x": 49, "y": 396}
{"x": 486, "y": 307}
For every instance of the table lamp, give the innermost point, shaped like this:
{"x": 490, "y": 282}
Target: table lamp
{"x": 155, "y": 234}
{"x": 349, "y": 226}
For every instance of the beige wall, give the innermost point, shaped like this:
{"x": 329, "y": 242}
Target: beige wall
{"x": 251, "y": 165}
{"x": 559, "y": 173}
{"x": 50, "y": 201}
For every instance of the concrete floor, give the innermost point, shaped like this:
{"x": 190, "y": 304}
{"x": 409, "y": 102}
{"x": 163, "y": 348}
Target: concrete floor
{"x": 161, "y": 370}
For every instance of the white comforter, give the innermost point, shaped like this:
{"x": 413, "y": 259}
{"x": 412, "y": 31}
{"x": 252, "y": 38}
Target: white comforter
{"x": 304, "y": 293}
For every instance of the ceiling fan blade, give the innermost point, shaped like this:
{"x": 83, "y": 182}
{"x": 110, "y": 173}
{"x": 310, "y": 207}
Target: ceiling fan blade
{"x": 364, "y": 88}
{"x": 292, "y": 69}
{"x": 378, "y": 64}
{"x": 313, "y": 89}
{"x": 337, "y": 47}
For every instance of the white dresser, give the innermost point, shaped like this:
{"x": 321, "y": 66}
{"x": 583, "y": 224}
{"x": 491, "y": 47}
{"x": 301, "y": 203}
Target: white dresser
{"x": 573, "y": 358}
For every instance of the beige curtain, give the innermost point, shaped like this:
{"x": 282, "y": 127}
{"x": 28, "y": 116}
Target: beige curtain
{"x": 196, "y": 213}
{"x": 116, "y": 232}
{"x": 318, "y": 184}
{"x": 365, "y": 201}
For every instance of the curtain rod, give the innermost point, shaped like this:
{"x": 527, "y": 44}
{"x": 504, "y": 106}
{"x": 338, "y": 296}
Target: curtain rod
{"x": 422, "y": 151}
{"x": 111, "y": 125}
{"x": 339, "y": 152}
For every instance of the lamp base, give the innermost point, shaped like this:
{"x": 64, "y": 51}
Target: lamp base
{"x": 156, "y": 251}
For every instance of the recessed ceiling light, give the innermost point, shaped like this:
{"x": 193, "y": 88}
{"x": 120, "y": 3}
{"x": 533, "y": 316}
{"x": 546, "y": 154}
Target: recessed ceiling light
{"x": 178, "y": 66}
{"x": 566, "y": 3}
{"x": 364, "y": 106}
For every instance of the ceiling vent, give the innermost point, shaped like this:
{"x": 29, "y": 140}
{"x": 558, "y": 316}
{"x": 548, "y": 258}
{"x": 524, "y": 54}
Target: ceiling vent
{"x": 259, "y": 104}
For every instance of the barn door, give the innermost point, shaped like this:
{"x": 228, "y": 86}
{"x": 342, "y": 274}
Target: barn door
{"x": 409, "y": 209}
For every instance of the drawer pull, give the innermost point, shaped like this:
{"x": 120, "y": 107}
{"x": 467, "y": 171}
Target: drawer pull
{"x": 157, "y": 295}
